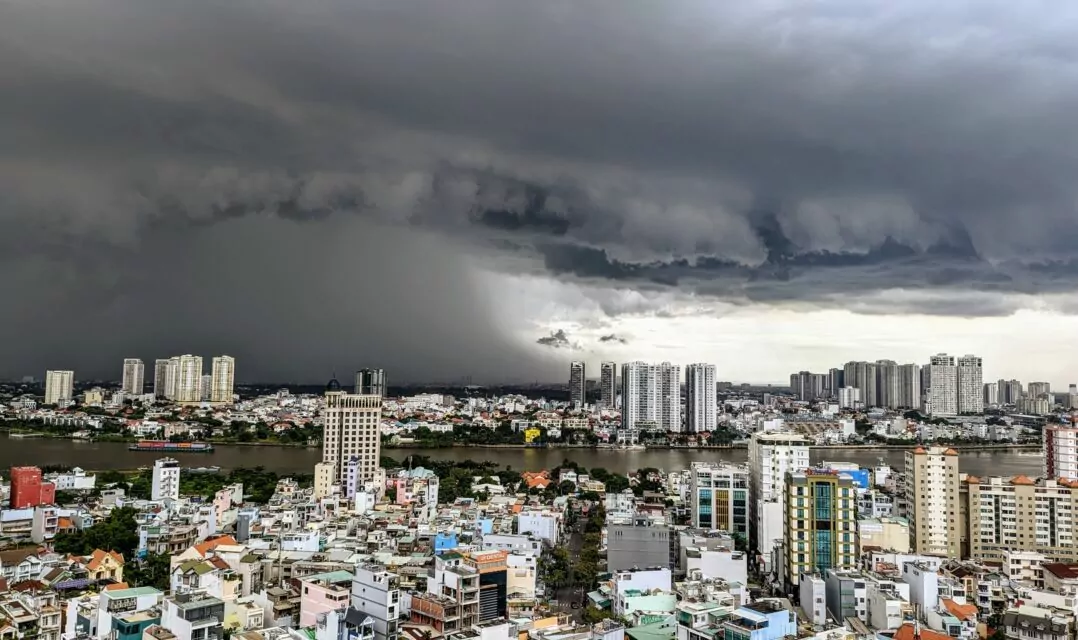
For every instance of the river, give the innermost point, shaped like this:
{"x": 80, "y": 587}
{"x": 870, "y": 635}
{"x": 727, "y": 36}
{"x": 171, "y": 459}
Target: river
{"x": 114, "y": 455}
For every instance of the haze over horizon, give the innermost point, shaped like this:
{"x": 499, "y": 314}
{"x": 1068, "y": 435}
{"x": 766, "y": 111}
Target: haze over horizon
{"x": 439, "y": 189}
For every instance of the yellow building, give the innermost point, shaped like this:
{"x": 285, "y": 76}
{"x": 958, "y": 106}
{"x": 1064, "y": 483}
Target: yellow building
{"x": 821, "y": 523}
{"x": 531, "y": 435}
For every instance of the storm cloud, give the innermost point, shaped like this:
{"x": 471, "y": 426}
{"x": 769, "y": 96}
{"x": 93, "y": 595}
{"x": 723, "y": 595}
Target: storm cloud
{"x": 300, "y": 183}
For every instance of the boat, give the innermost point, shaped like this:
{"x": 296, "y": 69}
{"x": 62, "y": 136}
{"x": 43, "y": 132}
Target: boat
{"x": 164, "y": 446}
{"x": 632, "y": 447}
{"x": 203, "y": 469}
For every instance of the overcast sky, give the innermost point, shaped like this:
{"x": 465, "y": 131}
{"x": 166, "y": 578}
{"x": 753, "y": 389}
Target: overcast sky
{"x": 491, "y": 188}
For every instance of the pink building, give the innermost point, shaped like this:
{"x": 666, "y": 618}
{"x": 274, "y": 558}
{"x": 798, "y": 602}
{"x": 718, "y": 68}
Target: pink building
{"x": 323, "y": 592}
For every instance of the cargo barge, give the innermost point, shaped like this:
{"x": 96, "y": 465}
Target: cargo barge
{"x": 164, "y": 446}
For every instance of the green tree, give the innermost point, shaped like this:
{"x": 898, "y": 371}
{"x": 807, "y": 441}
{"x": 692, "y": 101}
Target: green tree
{"x": 117, "y": 532}
{"x": 151, "y": 571}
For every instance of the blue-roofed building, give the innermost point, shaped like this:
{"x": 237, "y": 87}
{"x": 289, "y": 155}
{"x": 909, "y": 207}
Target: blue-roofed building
{"x": 763, "y": 620}
{"x": 484, "y": 526}
{"x": 445, "y": 541}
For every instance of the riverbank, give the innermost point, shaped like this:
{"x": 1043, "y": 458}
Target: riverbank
{"x": 1032, "y": 446}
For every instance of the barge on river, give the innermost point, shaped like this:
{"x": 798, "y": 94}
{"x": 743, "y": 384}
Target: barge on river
{"x": 164, "y": 446}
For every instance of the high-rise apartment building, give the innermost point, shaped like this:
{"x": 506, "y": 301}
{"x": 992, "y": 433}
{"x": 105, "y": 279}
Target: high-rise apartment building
{"x": 820, "y": 515}
{"x": 943, "y": 394}
{"x": 909, "y": 386}
{"x": 970, "y": 385}
{"x": 808, "y": 386}
{"x": 650, "y": 397}
{"x": 719, "y": 495}
{"x": 371, "y": 382}
{"x": 59, "y": 387}
{"x": 1021, "y": 514}
{"x": 862, "y": 375}
{"x": 188, "y": 378}
{"x": 351, "y": 431}
{"x": 134, "y": 376}
{"x": 160, "y": 377}
{"x": 577, "y": 384}
{"x": 222, "y": 378}
{"x": 1060, "y": 452}
{"x": 700, "y": 407}
{"x": 1010, "y": 391}
{"x": 849, "y": 397}
{"x": 932, "y": 500}
{"x": 608, "y": 385}
{"x": 771, "y": 456}
{"x": 205, "y": 389}
{"x": 991, "y": 394}
{"x": 1037, "y": 389}
{"x": 836, "y": 379}
{"x": 887, "y": 384}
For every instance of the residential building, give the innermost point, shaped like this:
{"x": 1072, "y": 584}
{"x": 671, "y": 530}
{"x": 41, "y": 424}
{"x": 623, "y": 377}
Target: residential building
{"x": 59, "y": 387}
{"x": 188, "y": 379}
{"x": 771, "y": 456}
{"x": 807, "y": 386}
{"x": 719, "y": 497}
{"x": 650, "y": 397}
{"x": 888, "y": 389}
{"x": 991, "y": 394}
{"x": 29, "y": 490}
{"x": 134, "y": 376}
{"x": 323, "y": 592}
{"x": 1025, "y": 621}
{"x": 762, "y": 620}
{"x": 812, "y": 589}
{"x": 890, "y": 533}
{"x": 970, "y": 385}
{"x": 909, "y": 386}
{"x": 577, "y": 384}
{"x": 160, "y": 377}
{"x": 836, "y": 379}
{"x": 700, "y": 407}
{"x": 455, "y": 588}
{"x": 821, "y": 523}
{"x": 1037, "y": 389}
{"x": 1010, "y": 391}
{"x": 376, "y": 593}
{"x": 608, "y": 385}
{"x": 943, "y": 394}
{"x": 351, "y": 431}
{"x": 193, "y": 616}
{"x": 165, "y": 483}
{"x": 222, "y": 378}
{"x": 637, "y": 544}
{"x": 932, "y": 499}
{"x": 862, "y": 375}
{"x": 847, "y": 594}
{"x": 371, "y": 382}
{"x": 1021, "y": 514}
{"x": 1060, "y": 451}
{"x": 849, "y": 397}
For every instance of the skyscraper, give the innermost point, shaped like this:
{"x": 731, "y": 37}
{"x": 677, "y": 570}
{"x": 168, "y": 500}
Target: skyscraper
{"x": 991, "y": 393}
{"x": 172, "y": 378}
{"x": 700, "y": 412}
{"x": 809, "y": 386}
{"x": 371, "y": 382}
{"x": 1037, "y": 389}
{"x": 650, "y": 397}
{"x": 863, "y": 376}
{"x": 160, "y": 377}
{"x": 59, "y": 387}
{"x": 771, "y": 456}
{"x": 134, "y": 376}
{"x": 970, "y": 385}
{"x": 577, "y": 382}
{"x": 188, "y": 378}
{"x": 608, "y": 385}
{"x": 888, "y": 392}
{"x": 943, "y": 394}
{"x": 836, "y": 379}
{"x": 909, "y": 386}
{"x": 932, "y": 498}
{"x": 222, "y": 377}
{"x": 351, "y": 431}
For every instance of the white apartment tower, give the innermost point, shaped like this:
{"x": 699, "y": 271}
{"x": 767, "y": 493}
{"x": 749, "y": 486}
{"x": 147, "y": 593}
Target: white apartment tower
{"x": 1060, "y": 452}
{"x": 577, "y": 384}
{"x": 719, "y": 496}
{"x": 351, "y": 430}
{"x": 166, "y": 479}
{"x": 172, "y": 378}
{"x": 887, "y": 384}
{"x": 650, "y": 397}
{"x": 188, "y": 378}
{"x": 608, "y": 385}
{"x": 59, "y": 387}
{"x": 991, "y": 393}
{"x": 970, "y": 385}
{"x": 943, "y": 394}
{"x": 700, "y": 408}
{"x": 222, "y": 377}
{"x": 932, "y": 500}
{"x": 134, "y": 376}
{"x": 849, "y": 397}
{"x": 771, "y": 457}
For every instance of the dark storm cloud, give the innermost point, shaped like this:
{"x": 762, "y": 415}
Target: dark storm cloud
{"x": 613, "y": 338}
{"x": 556, "y": 340}
{"x": 773, "y": 153}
